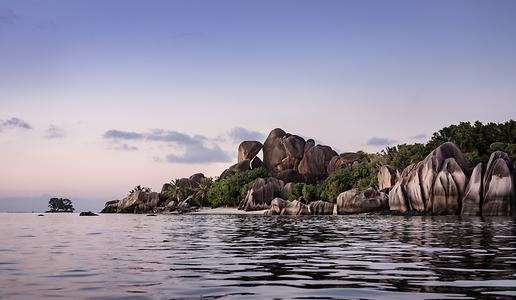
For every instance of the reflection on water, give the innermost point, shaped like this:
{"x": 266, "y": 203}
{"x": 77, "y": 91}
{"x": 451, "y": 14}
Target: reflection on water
{"x": 256, "y": 257}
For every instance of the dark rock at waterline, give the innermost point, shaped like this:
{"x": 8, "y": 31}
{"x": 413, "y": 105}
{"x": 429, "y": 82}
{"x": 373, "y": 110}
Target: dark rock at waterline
{"x": 41, "y": 215}
{"x": 110, "y": 207}
{"x": 296, "y": 208}
{"x": 321, "y": 208}
{"x": 277, "y": 206}
{"x": 138, "y": 202}
{"x": 87, "y": 214}
{"x": 248, "y": 150}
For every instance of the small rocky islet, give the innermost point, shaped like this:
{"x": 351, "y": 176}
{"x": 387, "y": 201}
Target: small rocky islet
{"x": 441, "y": 184}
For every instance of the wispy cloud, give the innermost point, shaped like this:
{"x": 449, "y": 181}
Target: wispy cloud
{"x": 124, "y": 135}
{"x": 54, "y": 132}
{"x": 14, "y": 123}
{"x": 239, "y": 134}
{"x": 8, "y": 16}
{"x": 195, "y": 148}
{"x": 420, "y": 136}
{"x": 380, "y": 141}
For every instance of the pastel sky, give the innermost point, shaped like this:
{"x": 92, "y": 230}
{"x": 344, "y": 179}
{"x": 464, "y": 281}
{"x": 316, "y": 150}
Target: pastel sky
{"x": 99, "y": 96}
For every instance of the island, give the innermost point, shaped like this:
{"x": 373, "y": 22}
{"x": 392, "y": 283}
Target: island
{"x": 464, "y": 169}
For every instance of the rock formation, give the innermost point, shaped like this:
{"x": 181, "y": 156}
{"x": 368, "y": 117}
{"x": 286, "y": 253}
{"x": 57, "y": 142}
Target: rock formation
{"x": 277, "y": 206}
{"x": 110, "y": 207}
{"x": 138, "y": 202}
{"x": 248, "y": 150}
{"x": 296, "y": 208}
{"x": 499, "y": 190}
{"x": 315, "y": 162}
{"x": 261, "y": 193}
{"x": 343, "y": 160}
{"x": 446, "y": 165}
{"x": 321, "y": 208}
{"x": 354, "y": 201}
{"x": 472, "y": 201}
{"x": 387, "y": 177}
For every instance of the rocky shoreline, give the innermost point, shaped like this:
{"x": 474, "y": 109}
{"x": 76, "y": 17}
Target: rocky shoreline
{"x": 441, "y": 184}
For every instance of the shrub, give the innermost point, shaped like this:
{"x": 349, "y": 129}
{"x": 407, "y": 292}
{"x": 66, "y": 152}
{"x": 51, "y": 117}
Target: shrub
{"x": 232, "y": 189}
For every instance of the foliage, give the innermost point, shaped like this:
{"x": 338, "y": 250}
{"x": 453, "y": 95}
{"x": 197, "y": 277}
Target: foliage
{"x": 201, "y": 192}
{"x": 140, "y": 188}
{"x": 60, "y": 205}
{"x": 179, "y": 189}
{"x": 232, "y": 189}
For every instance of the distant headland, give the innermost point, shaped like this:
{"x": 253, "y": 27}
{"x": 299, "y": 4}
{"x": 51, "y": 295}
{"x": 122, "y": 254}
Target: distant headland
{"x": 465, "y": 169}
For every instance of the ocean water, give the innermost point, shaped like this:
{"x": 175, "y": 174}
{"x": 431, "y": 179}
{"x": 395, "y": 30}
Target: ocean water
{"x": 64, "y": 256}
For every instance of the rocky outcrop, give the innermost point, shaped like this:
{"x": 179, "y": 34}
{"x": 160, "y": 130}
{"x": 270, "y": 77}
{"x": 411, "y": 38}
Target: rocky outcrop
{"x": 296, "y": 208}
{"x": 314, "y": 164}
{"x": 195, "y": 180}
{"x": 321, "y": 208}
{"x": 256, "y": 163}
{"x": 499, "y": 189}
{"x": 446, "y": 165}
{"x": 472, "y": 201}
{"x": 277, "y": 206}
{"x": 110, "y": 207}
{"x": 244, "y": 165}
{"x": 261, "y": 193}
{"x": 248, "y": 150}
{"x": 343, "y": 160}
{"x": 387, "y": 177}
{"x": 354, "y": 202}
{"x": 88, "y": 214}
{"x": 290, "y": 176}
{"x": 139, "y": 202}
{"x": 282, "y": 151}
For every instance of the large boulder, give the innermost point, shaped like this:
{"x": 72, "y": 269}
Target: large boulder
{"x": 387, "y": 177}
{"x": 314, "y": 164}
{"x": 110, "y": 207}
{"x": 354, "y": 202}
{"x": 343, "y": 160}
{"x": 282, "y": 151}
{"x": 248, "y": 150}
{"x": 472, "y": 201}
{"x": 195, "y": 180}
{"x": 499, "y": 190}
{"x": 290, "y": 175}
{"x": 244, "y": 165}
{"x": 449, "y": 187}
{"x": 256, "y": 163}
{"x": 321, "y": 208}
{"x": 139, "y": 202}
{"x": 261, "y": 193}
{"x": 163, "y": 195}
{"x": 414, "y": 190}
{"x": 277, "y": 206}
{"x": 296, "y": 208}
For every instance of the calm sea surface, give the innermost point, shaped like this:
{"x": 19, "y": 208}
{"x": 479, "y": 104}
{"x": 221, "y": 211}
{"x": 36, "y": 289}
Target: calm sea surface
{"x": 256, "y": 257}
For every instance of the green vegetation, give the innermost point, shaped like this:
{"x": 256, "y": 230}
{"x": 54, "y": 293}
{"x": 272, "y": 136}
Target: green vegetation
{"x": 140, "y": 188}
{"x": 60, "y": 205}
{"x": 232, "y": 189}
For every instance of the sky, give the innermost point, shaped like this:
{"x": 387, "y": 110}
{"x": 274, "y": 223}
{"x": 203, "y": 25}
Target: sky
{"x": 99, "y": 96}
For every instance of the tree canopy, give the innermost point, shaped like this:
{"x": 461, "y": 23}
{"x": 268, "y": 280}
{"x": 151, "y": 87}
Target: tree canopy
{"x": 60, "y": 205}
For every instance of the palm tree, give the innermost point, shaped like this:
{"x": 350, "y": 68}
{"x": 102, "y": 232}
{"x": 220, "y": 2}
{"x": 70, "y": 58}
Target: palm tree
{"x": 179, "y": 189}
{"x": 201, "y": 192}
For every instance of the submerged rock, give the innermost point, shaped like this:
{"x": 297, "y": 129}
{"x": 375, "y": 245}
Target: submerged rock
{"x": 277, "y": 206}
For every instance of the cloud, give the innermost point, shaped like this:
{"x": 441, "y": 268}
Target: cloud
{"x": 195, "y": 149}
{"x": 379, "y": 141}
{"x": 8, "y": 16}
{"x": 124, "y": 135}
{"x": 14, "y": 123}
{"x": 420, "y": 136}
{"x": 195, "y": 154}
{"x": 54, "y": 132}
{"x": 239, "y": 134}
{"x": 125, "y": 147}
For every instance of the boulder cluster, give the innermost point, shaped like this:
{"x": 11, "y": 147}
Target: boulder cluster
{"x": 440, "y": 184}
